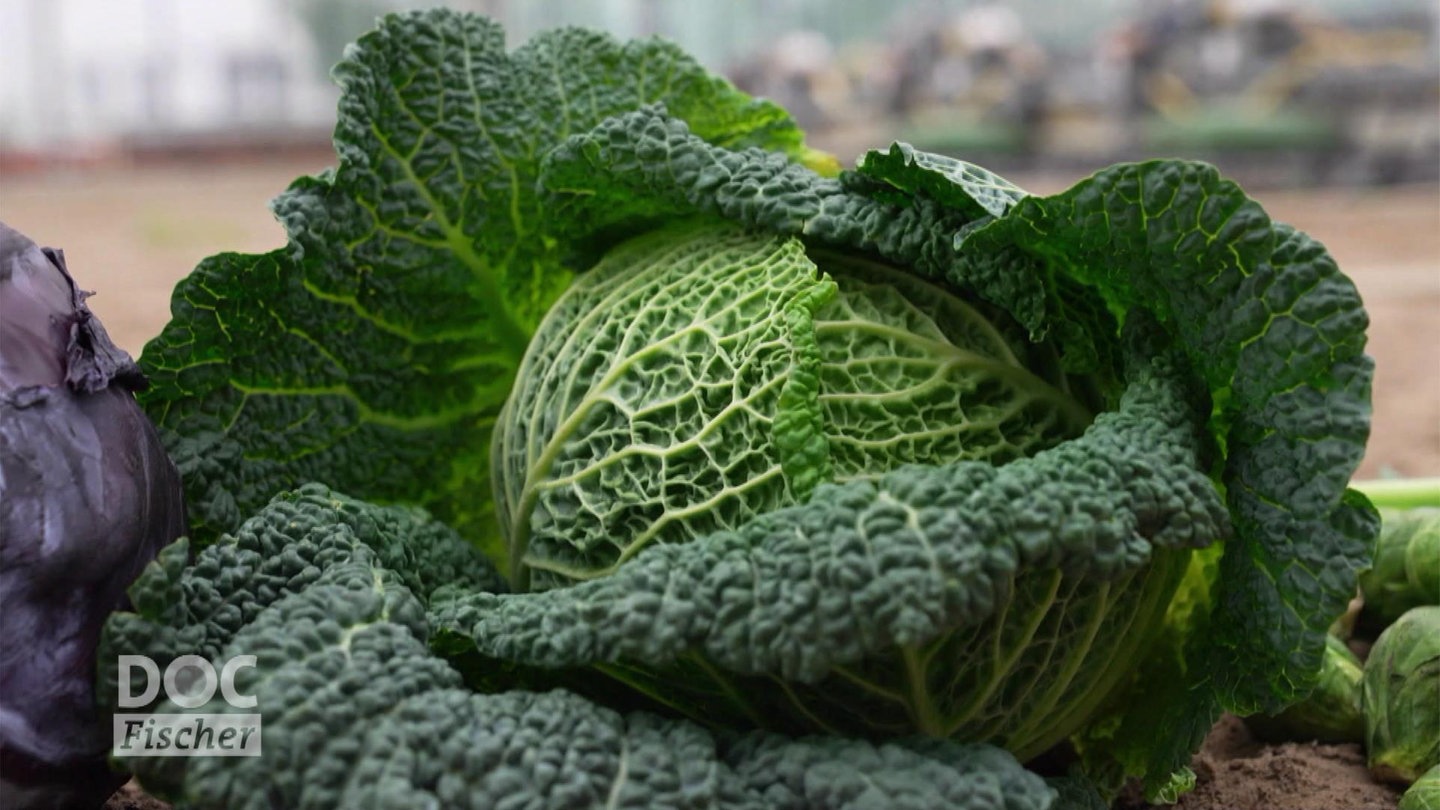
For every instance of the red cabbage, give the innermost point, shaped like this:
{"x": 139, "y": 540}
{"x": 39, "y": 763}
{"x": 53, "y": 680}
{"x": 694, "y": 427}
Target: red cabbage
{"x": 87, "y": 498}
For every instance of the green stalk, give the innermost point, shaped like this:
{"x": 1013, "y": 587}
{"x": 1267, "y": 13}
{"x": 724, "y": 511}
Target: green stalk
{"x": 1400, "y": 493}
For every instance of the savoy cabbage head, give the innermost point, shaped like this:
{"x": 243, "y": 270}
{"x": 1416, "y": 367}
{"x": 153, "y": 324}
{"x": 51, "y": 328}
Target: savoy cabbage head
{"x": 809, "y": 487}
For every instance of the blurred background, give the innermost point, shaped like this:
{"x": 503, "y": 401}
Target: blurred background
{"x": 143, "y": 135}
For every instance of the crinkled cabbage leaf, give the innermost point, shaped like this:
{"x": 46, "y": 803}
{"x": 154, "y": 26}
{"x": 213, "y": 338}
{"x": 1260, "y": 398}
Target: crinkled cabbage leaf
{"x": 797, "y": 456}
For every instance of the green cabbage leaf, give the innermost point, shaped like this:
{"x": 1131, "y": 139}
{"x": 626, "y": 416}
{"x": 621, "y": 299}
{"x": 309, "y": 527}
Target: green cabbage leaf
{"x": 810, "y": 487}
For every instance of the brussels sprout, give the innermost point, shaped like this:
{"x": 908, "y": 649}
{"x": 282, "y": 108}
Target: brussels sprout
{"x": 1406, "y": 572}
{"x": 1402, "y": 697}
{"x": 1424, "y": 794}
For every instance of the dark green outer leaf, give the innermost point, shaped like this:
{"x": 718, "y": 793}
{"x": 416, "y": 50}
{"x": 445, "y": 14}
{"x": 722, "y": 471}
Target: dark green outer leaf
{"x": 975, "y": 192}
{"x": 1260, "y": 311}
{"x": 374, "y": 352}
{"x": 871, "y": 571}
{"x": 644, "y": 167}
{"x": 1277, "y": 332}
{"x": 264, "y": 396}
{"x": 330, "y": 596}
{"x": 1076, "y": 793}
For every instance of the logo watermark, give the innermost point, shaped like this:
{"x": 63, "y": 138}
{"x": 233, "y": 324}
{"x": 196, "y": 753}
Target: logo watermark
{"x": 190, "y": 682}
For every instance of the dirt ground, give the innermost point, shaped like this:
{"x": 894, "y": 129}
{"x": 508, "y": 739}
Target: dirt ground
{"x": 1235, "y": 772}
{"x": 130, "y": 235}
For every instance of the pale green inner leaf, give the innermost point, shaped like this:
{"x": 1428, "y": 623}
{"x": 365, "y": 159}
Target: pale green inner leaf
{"x": 702, "y": 374}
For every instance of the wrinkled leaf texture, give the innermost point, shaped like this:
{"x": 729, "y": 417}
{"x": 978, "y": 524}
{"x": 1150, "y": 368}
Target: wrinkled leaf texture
{"x": 330, "y": 594}
{"x": 373, "y": 352}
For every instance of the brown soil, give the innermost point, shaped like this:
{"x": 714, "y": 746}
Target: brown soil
{"x": 1235, "y": 772}
{"x": 131, "y": 797}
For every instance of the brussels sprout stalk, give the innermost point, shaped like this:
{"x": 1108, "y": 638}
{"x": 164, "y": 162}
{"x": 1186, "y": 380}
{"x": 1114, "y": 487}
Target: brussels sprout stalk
{"x": 1401, "y": 493}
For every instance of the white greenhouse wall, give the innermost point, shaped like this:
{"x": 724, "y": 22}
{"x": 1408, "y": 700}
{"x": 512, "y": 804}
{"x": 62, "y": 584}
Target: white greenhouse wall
{"x": 82, "y": 71}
